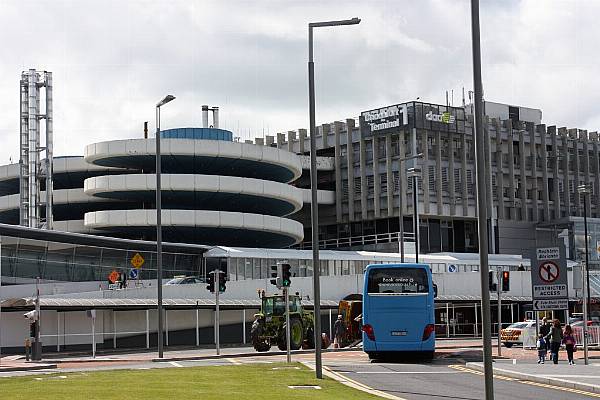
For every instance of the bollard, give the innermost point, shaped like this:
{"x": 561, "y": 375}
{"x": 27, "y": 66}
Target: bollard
{"x": 27, "y": 349}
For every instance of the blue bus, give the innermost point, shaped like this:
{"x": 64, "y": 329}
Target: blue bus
{"x": 398, "y": 310}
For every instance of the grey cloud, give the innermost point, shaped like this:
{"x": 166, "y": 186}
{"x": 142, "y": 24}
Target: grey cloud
{"x": 113, "y": 60}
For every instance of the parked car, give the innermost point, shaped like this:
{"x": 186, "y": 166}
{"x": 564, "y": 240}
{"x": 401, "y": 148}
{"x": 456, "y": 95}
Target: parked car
{"x": 184, "y": 280}
{"x": 513, "y": 334}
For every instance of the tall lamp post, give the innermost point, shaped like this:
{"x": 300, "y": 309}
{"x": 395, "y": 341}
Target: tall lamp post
{"x": 482, "y": 195}
{"x": 313, "y": 186}
{"x": 161, "y": 103}
{"x": 400, "y": 213}
{"x": 414, "y": 173}
{"x": 585, "y": 191}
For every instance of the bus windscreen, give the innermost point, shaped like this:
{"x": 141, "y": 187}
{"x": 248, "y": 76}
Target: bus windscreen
{"x": 398, "y": 281}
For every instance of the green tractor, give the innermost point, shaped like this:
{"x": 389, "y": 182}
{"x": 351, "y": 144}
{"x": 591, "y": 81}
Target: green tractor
{"x": 269, "y": 327}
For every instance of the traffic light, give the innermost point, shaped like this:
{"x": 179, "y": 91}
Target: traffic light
{"x": 222, "y": 281}
{"x": 276, "y": 275}
{"x": 492, "y": 285}
{"x": 286, "y": 275}
{"x": 211, "y": 282}
{"x": 505, "y": 281}
{"x": 33, "y": 330}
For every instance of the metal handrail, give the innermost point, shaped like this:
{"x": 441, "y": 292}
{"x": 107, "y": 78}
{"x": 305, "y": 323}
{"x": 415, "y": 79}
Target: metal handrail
{"x": 358, "y": 240}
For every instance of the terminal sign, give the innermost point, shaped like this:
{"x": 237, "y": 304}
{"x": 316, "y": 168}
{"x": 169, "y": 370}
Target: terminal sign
{"x": 383, "y": 120}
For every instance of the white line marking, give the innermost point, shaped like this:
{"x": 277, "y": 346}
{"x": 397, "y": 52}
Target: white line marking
{"x": 407, "y": 372}
{"x": 175, "y": 364}
{"x": 233, "y": 361}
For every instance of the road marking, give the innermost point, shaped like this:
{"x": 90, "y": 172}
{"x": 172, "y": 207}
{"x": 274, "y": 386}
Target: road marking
{"x": 544, "y": 385}
{"x": 233, "y": 361}
{"x": 408, "y": 372}
{"x": 175, "y": 364}
{"x": 577, "y": 391}
{"x": 360, "y": 386}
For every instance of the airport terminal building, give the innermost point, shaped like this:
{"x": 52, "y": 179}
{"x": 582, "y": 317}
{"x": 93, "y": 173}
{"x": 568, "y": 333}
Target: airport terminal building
{"x": 219, "y": 191}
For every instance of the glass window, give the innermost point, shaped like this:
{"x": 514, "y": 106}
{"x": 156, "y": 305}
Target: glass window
{"x": 398, "y": 280}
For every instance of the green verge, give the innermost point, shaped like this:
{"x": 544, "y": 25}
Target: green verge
{"x": 249, "y": 381}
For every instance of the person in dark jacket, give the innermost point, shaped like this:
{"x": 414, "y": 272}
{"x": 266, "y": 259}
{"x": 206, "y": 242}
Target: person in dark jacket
{"x": 555, "y": 338}
{"x": 339, "y": 329}
{"x": 545, "y": 330}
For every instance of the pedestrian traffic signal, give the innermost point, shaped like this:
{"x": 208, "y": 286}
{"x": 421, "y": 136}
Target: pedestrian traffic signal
{"x": 211, "y": 282}
{"x": 276, "y": 275}
{"x": 505, "y": 281}
{"x": 492, "y": 285}
{"x": 286, "y": 275}
{"x": 222, "y": 281}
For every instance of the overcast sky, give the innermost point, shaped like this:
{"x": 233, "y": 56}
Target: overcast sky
{"x": 114, "y": 60}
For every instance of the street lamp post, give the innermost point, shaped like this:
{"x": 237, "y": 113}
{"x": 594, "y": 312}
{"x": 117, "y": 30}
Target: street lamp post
{"x": 481, "y": 203}
{"x": 161, "y": 103}
{"x": 400, "y": 213}
{"x": 585, "y": 191}
{"x": 313, "y": 186}
{"x": 414, "y": 174}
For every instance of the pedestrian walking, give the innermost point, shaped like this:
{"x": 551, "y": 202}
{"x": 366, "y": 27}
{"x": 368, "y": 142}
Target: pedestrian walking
{"x": 339, "y": 329}
{"x": 555, "y": 339}
{"x": 545, "y": 330}
{"x": 570, "y": 343}
{"x": 542, "y": 349}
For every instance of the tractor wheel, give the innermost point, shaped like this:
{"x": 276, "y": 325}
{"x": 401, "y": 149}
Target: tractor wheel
{"x": 296, "y": 333}
{"x": 256, "y": 333}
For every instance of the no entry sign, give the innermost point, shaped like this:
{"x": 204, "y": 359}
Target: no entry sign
{"x": 549, "y": 279}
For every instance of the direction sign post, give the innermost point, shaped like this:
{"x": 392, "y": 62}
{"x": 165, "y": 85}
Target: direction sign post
{"x": 549, "y": 287}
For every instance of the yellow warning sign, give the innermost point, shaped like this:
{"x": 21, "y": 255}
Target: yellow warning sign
{"x": 137, "y": 261}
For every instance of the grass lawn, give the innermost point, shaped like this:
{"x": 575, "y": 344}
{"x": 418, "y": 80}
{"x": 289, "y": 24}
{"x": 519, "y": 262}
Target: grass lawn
{"x": 256, "y": 381}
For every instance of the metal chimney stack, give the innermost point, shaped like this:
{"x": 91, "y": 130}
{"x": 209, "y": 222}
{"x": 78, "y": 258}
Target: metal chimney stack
{"x": 215, "y": 111}
{"x": 32, "y": 171}
{"x": 205, "y": 116}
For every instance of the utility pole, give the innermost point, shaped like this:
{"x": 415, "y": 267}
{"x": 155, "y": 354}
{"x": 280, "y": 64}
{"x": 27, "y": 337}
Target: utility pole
{"x": 481, "y": 203}
{"x": 286, "y": 294}
{"x": 217, "y": 276}
{"x": 499, "y": 292}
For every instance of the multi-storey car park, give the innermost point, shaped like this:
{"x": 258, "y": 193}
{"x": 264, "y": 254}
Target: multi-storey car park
{"x": 215, "y": 190}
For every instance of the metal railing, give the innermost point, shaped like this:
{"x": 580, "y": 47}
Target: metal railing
{"x": 349, "y": 241}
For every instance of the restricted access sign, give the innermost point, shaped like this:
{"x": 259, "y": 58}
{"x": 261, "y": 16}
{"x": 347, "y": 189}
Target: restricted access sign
{"x": 550, "y": 291}
{"x": 549, "y": 271}
{"x": 549, "y": 286}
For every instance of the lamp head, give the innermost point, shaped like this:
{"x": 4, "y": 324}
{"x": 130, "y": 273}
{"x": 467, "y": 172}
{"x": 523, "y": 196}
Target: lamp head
{"x": 167, "y": 99}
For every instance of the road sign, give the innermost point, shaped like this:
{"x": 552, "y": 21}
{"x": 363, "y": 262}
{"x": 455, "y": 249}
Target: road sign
{"x": 550, "y": 291}
{"x": 133, "y": 273}
{"x": 137, "y": 261}
{"x": 550, "y": 304}
{"x": 549, "y": 271}
{"x": 113, "y": 276}
{"x": 549, "y": 287}
{"x": 452, "y": 268}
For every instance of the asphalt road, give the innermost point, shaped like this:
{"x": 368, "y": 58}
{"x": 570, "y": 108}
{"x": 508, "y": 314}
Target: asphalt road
{"x": 444, "y": 379}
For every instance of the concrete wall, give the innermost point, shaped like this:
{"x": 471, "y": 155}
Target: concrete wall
{"x": 516, "y": 237}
